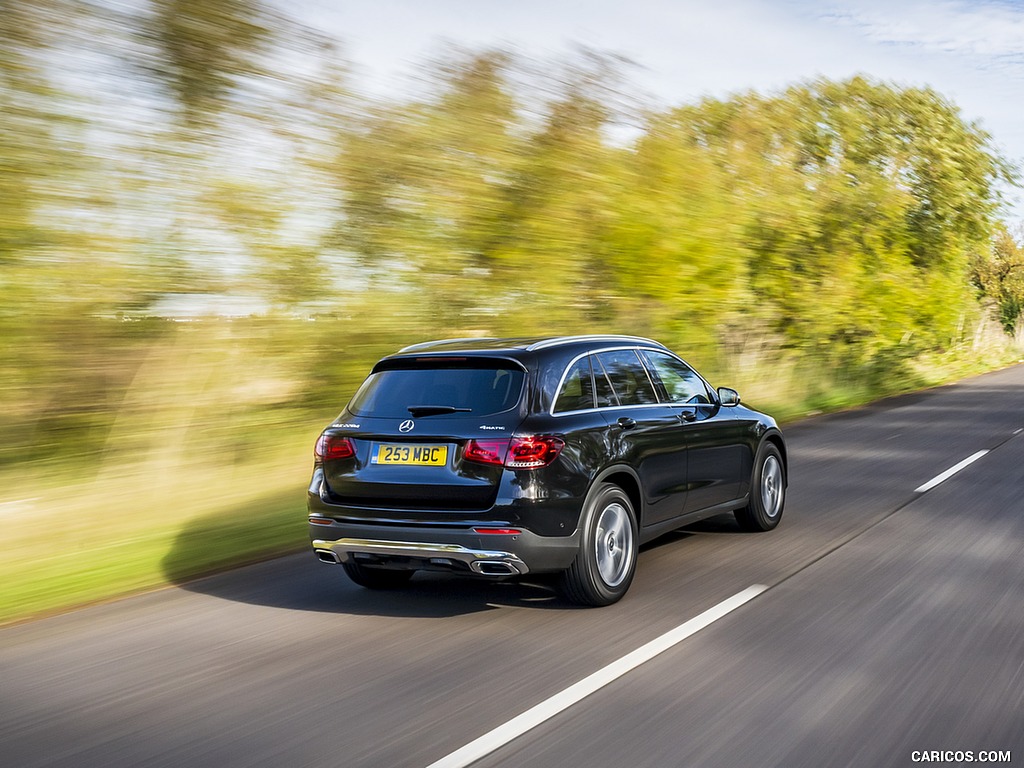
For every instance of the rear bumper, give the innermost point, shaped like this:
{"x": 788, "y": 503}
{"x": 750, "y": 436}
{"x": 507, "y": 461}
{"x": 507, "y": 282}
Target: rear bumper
{"x": 437, "y": 548}
{"x": 480, "y": 561}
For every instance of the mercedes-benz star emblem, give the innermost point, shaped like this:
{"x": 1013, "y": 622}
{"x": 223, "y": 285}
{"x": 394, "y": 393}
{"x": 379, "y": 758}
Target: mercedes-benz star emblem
{"x": 406, "y": 426}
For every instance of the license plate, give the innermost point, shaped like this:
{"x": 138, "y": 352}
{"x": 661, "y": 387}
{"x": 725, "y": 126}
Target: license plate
{"x": 414, "y": 455}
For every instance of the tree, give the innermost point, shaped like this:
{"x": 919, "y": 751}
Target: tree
{"x": 205, "y": 46}
{"x": 999, "y": 275}
{"x": 423, "y": 184}
{"x": 859, "y": 203}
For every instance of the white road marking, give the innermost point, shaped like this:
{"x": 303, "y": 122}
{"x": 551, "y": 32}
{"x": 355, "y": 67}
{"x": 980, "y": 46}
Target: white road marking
{"x": 547, "y": 709}
{"x": 950, "y": 472}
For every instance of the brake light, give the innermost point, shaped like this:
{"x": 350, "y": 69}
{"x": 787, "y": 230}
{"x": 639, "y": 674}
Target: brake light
{"x": 330, "y": 447}
{"x": 531, "y": 452}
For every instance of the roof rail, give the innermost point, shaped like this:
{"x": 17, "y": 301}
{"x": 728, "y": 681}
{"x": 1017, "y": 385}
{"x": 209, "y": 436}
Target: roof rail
{"x": 554, "y": 342}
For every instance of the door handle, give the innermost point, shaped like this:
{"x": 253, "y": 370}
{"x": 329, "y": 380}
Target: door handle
{"x": 688, "y": 415}
{"x": 626, "y": 423}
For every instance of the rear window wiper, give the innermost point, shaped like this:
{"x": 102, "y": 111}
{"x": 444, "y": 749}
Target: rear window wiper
{"x": 434, "y": 410}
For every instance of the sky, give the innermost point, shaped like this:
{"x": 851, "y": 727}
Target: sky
{"x": 971, "y": 51}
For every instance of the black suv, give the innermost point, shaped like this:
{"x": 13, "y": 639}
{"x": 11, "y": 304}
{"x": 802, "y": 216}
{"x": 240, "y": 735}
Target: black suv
{"x": 502, "y": 457}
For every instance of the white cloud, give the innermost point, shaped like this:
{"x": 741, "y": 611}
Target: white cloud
{"x": 976, "y": 29}
{"x": 971, "y": 51}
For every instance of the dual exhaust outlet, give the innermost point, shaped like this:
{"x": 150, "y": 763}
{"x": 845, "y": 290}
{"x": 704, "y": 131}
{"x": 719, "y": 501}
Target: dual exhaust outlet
{"x": 483, "y": 567}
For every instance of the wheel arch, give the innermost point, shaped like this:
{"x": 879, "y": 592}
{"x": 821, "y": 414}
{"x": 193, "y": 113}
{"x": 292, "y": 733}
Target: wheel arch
{"x": 626, "y": 479}
{"x": 775, "y": 438}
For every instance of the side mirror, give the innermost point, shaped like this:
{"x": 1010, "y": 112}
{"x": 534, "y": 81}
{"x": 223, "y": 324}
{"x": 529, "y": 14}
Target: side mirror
{"x": 728, "y": 396}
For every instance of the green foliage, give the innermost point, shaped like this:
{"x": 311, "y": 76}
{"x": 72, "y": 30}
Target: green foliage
{"x": 998, "y": 273}
{"x": 858, "y": 204}
{"x": 205, "y": 46}
{"x": 832, "y": 221}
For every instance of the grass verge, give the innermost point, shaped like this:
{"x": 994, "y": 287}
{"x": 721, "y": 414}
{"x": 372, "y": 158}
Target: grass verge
{"x": 73, "y": 544}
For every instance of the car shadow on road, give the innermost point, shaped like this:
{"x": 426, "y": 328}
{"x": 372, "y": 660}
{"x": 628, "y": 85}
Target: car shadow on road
{"x": 725, "y": 523}
{"x": 301, "y": 583}
{"x": 293, "y": 579}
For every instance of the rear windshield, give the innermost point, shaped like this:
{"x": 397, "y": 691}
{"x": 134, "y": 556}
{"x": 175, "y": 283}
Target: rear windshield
{"x": 472, "y": 391}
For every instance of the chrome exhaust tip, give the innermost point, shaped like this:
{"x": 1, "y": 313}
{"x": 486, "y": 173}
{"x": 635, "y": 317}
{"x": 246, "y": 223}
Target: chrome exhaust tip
{"x": 327, "y": 556}
{"x": 493, "y": 568}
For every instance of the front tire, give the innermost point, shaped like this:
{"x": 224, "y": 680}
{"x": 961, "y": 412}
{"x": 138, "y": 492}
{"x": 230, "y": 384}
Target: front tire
{"x": 767, "y": 492}
{"x": 606, "y": 561}
{"x": 376, "y": 578}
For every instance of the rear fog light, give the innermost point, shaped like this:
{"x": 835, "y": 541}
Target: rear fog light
{"x": 498, "y": 531}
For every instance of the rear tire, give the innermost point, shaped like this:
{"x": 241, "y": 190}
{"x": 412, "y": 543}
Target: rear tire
{"x": 606, "y": 561}
{"x": 376, "y": 578}
{"x": 767, "y": 492}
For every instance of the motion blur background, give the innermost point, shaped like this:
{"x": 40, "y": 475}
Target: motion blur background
{"x": 212, "y": 223}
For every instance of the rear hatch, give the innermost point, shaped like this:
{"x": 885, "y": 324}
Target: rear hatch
{"x": 426, "y": 433}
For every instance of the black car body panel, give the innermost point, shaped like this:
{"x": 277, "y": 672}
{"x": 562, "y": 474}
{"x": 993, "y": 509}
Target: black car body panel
{"x": 483, "y": 456}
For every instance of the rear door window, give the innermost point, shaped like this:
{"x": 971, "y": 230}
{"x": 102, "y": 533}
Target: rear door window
{"x": 468, "y": 391}
{"x": 628, "y": 377}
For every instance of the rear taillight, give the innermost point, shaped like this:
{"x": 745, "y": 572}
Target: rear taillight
{"x": 486, "y": 451}
{"x": 330, "y": 447}
{"x": 531, "y": 452}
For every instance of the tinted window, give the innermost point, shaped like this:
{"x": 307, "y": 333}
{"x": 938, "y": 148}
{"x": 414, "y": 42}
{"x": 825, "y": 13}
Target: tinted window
{"x": 484, "y": 391}
{"x": 680, "y": 382}
{"x": 577, "y": 392}
{"x": 628, "y": 377}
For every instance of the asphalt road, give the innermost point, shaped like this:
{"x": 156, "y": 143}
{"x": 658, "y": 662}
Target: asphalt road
{"x": 891, "y": 623}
